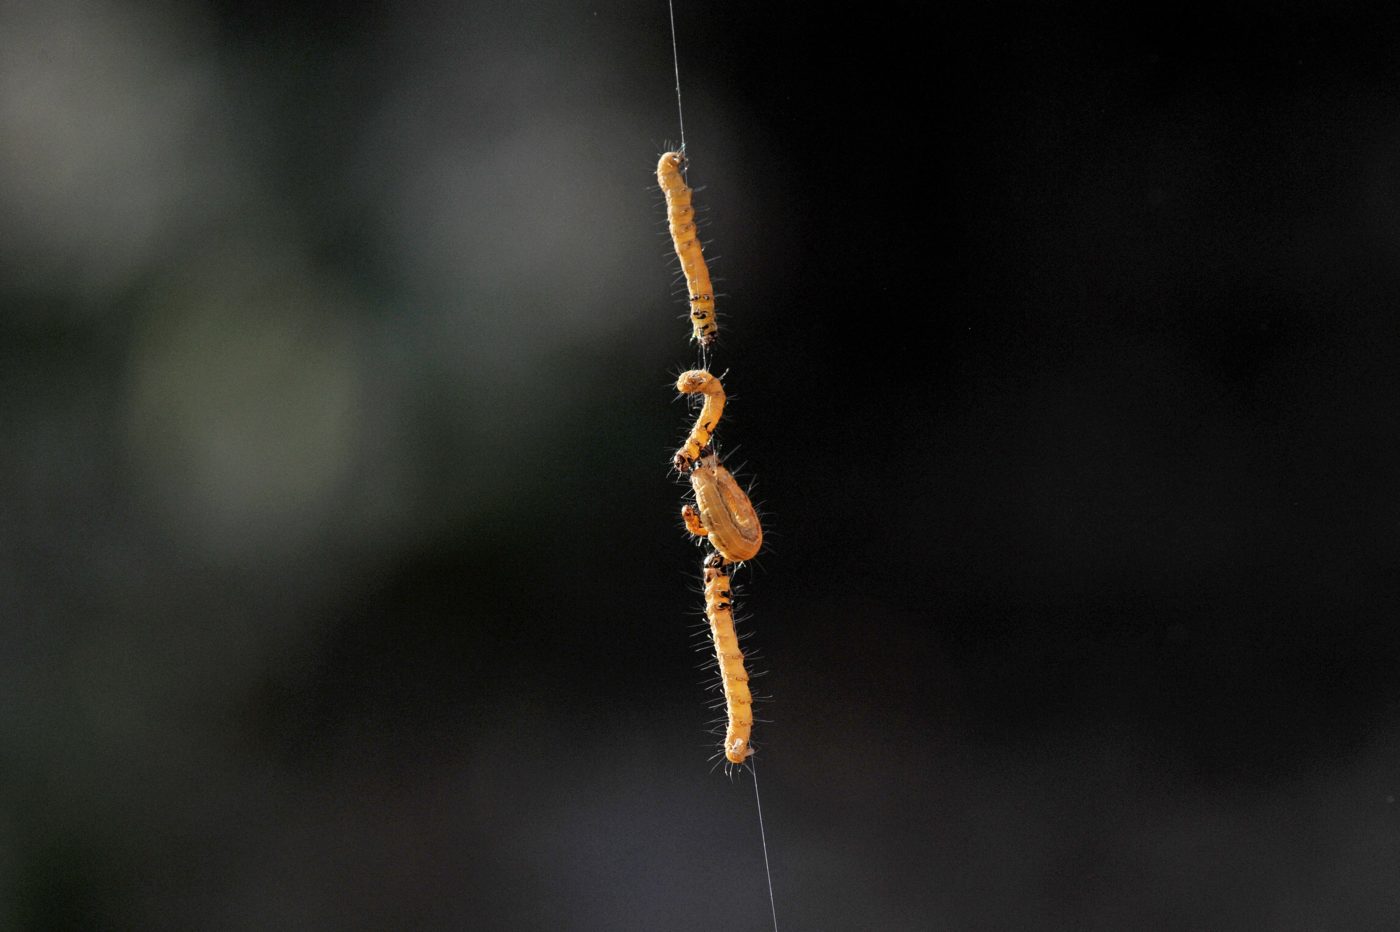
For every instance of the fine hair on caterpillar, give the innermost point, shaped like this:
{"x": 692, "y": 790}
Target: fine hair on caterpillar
{"x": 680, "y": 218}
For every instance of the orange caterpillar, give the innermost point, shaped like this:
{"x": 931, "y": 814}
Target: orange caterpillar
{"x": 681, "y": 217}
{"x": 698, "y": 381}
{"x": 738, "y": 701}
{"x": 722, "y": 512}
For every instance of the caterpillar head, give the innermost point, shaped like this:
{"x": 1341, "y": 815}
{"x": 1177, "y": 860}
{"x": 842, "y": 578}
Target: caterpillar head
{"x": 697, "y": 381}
{"x": 708, "y": 463}
{"x": 738, "y": 751}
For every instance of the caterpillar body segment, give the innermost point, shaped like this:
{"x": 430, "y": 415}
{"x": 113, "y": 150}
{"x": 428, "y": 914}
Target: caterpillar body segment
{"x": 722, "y": 512}
{"x": 680, "y": 217}
{"x": 738, "y": 700}
{"x": 698, "y": 381}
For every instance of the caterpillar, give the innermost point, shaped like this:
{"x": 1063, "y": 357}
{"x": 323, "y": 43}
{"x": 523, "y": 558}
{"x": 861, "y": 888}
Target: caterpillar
{"x": 680, "y": 215}
{"x": 722, "y": 512}
{"x": 738, "y": 701}
{"x": 698, "y": 381}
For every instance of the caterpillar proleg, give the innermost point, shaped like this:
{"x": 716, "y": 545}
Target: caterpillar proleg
{"x": 698, "y": 381}
{"x": 722, "y": 512}
{"x": 680, "y": 216}
{"x": 738, "y": 701}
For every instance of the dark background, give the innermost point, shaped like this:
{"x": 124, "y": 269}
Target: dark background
{"x": 341, "y": 576}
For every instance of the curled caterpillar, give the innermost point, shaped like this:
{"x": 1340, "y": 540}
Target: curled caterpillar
{"x": 698, "y": 381}
{"x": 738, "y": 701}
{"x": 680, "y": 216}
{"x": 722, "y": 512}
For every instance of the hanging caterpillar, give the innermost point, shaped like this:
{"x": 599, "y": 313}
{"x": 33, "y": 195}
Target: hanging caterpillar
{"x": 680, "y": 215}
{"x": 738, "y": 700}
{"x": 698, "y": 381}
{"x": 722, "y": 512}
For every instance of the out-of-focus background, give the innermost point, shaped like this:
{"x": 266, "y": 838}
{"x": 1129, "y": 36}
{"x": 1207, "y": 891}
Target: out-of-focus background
{"x": 341, "y": 579}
